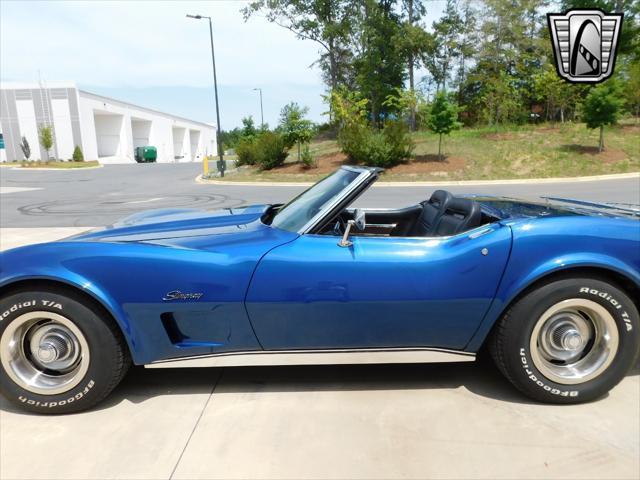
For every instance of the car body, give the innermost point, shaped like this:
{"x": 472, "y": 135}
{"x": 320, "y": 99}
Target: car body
{"x": 237, "y": 287}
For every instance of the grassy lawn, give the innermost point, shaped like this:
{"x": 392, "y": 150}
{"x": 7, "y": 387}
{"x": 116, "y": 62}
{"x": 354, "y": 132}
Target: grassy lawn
{"x": 58, "y": 164}
{"x": 560, "y": 150}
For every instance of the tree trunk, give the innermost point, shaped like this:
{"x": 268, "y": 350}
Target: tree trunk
{"x": 601, "y": 145}
{"x": 561, "y": 115}
{"x": 412, "y": 110}
{"x": 440, "y": 148}
{"x": 298, "y": 152}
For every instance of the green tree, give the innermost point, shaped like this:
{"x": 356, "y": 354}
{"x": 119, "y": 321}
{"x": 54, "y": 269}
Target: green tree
{"x": 349, "y": 107}
{"x": 406, "y": 103}
{"x": 443, "y": 118}
{"x": 46, "y": 138}
{"x": 326, "y": 22}
{"x": 602, "y": 107}
{"x": 632, "y": 89}
{"x": 77, "y": 154}
{"x": 379, "y": 63}
{"x": 514, "y": 47}
{"x": 557, "y": 94}
{"x": 446, "y": 47}
{"x": 248, "y": 127}
{"x": 467, "y": 43}
{"x": 26, "y": 148}
{"x": 229, "y": 138}
{"x": 413, "y": 43}
{"x": 498, "y": 100}
{"x": 295, "y": 128}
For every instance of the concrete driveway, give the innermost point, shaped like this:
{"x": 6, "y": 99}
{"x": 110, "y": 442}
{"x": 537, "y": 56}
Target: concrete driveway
{"x": 397, "y": 421}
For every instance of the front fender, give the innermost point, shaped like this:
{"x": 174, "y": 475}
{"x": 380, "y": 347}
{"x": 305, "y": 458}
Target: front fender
{"x": 131, "y": 280}
{"x": 45, "y": 262}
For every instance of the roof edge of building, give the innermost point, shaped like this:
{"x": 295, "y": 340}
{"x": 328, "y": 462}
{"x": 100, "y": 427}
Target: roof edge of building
{"x": 178, "y": 117}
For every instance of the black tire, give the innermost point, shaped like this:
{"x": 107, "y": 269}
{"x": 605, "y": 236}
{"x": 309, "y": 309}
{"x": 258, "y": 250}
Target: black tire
{"x": 106, "y": 364}
{"x": 510, "y": 341}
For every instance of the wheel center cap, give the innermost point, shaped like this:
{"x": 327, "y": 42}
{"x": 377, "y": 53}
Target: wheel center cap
{"x": 51, "y": 348}
{"x": 47, "y": 353}
{"x": 571, "y": 340}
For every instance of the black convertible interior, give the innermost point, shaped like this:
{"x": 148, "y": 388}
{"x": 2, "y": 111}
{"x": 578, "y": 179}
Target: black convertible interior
{"x": 443, "y": 214}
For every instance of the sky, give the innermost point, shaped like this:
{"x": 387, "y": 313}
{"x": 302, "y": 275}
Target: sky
{"x": 149, "y": 53}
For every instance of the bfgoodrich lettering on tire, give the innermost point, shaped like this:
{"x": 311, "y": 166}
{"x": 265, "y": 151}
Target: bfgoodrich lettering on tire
{"x": 568, "y": 341}
{"x": 58, "y": 352}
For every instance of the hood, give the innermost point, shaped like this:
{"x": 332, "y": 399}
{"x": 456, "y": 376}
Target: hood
{"x": 506, "y": 207}
{"x": 178, "y": 223}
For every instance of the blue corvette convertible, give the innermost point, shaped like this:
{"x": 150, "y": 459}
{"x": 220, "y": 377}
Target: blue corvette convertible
{"x": 551, "y": 289}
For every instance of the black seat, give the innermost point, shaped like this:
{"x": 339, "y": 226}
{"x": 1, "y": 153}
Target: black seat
{"x": 461, "y": 214}
{"x": 432, "y": 210}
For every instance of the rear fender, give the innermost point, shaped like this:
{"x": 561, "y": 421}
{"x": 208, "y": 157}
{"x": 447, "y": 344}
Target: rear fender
{"x": 514, "y": 285}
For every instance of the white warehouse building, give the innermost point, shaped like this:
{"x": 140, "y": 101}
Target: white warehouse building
{"x": 105, "y": 129}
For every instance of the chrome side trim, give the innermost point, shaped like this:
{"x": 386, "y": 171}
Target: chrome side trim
{"x": 383, "y": 225}
{"x": 318, "y": 357}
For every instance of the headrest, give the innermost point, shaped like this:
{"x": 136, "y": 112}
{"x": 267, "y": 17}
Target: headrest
{"x": 462, "y": 206}
{"x": 440, "y": 198}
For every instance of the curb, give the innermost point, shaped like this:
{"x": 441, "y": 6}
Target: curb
{"x": 39, "y": 169}
{"x": 517, "y": 181}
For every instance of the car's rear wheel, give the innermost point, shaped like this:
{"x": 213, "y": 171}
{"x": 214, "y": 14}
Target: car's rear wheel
{"x": 568, "y": 341}
{"x": 58, "y": 352}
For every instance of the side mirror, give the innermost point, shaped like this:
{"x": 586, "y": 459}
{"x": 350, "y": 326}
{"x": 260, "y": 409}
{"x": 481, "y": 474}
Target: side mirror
{"x": 359, "y": 222}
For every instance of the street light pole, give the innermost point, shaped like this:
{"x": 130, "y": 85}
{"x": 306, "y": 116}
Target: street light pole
{"x": 261, "y": 110}
{"x": 221, "y": 165}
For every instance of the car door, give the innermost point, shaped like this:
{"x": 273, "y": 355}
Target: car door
{"x": 379, "y": 292}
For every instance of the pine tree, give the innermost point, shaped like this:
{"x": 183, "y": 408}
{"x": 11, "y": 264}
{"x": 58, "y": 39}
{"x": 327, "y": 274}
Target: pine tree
{"x": 77, "y": 154}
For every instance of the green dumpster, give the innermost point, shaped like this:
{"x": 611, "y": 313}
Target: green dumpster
{"x": 146, "y": 154}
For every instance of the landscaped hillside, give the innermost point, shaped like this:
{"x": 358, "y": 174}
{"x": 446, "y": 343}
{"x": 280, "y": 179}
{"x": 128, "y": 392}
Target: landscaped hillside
{"x": 560, "y": 150}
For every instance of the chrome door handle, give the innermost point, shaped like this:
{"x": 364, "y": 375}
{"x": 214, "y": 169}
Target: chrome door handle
{"x": 480, "y": 233}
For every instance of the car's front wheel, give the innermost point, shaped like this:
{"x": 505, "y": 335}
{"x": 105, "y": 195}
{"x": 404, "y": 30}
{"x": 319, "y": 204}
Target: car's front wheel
{"x": 569, "y": 341}
{"x": 58, "y": 353}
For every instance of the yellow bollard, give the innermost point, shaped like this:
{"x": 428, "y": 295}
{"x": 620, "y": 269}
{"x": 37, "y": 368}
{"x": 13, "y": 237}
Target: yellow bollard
{"x": 205, "y": 166}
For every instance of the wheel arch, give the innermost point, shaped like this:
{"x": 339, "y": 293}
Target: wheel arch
{"x": 619, "y": 279}
{"x": 61, "y": 286}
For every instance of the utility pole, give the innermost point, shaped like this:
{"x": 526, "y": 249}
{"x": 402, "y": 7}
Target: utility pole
{"x": 221, "y": 165}
{"x": 261, "y": 110}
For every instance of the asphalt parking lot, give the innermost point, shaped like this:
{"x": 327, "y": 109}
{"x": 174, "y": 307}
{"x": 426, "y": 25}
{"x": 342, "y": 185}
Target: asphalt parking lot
{"x": 397, "y": 421}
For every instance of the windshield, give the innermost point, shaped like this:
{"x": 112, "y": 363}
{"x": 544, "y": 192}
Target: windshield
{"x": 299, "y": 211}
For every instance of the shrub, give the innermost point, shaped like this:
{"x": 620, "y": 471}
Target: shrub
{"x": 378, "y": 148}
{"x": 77, "y": 155}
{"x": 271, "y": 150}
{"x": 267, "y": 150}
{"x": 306, "y": 158}
{"x": 398, "y": 137}
{"x": 246, "y": 151}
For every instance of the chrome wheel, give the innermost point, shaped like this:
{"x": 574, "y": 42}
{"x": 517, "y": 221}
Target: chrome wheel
{"x": 44, "y": 353}
{"x": 574, "y": 341}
